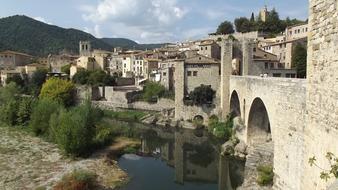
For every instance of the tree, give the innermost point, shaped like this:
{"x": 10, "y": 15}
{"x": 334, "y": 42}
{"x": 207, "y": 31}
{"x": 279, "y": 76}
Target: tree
{"x": 24, "y": 110}
{"x": 9, "y": 103}
{"x": 66, "y": 69}
{"x": 81, "y": 77}
{"x": 243, "y": 25}
{"x": 17, "y": 79}
{"x": 225, "y": 27}
{"x": 74, "y": 130}
{"x": 100, "y": 78}
{"x": 59, "y": 90}
{"x": 38, "y": 78}
{"x": 41, "y": 115}
{"x": 252, "y": 19}
{"x": 153, "y": 90}
{"x": 203, "y": 94}
{"x": 299, "y": 60}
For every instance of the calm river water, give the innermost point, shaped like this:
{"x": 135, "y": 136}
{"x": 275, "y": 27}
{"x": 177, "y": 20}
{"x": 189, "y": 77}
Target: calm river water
{"x": 171, "y": 159}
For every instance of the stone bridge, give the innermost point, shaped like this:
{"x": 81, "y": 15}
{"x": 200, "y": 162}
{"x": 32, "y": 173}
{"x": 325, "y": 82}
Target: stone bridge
{"x": 273, "y": 109}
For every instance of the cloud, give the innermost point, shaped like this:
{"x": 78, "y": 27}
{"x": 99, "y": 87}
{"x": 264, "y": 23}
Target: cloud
{"x": 41, "y": 19}
{"x": 146, "y": 20}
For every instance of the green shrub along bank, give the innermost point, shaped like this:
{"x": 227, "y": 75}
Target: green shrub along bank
{"x": 74, "y": 129}
{"x": 265, "y": 175}
{"x": 78, "y": 179}
{"x": 222, "y": 130}
{"x": 127, "y": 115}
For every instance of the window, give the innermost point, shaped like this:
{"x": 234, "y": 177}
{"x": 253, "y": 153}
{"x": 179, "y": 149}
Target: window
{"x": 206, "y": 48}
{"x": 125, "y": 65}
{"x": 189, "y": 73}
{"x": 254, "y": 49}
{"x": 276, "y": 75}
{"x": 266, "y": 65}
{"x": 165, "y": 74}
{"x": 201, "y": 48}
{"x": 272, "y": 65}
{"x": 195, "y": 73}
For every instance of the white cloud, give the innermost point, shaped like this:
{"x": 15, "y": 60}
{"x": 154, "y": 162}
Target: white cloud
{"x": 41, "y": 19}
{"x": 145, "y": 20}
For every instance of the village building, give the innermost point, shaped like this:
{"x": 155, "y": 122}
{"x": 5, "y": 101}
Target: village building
{"x": 210, "y": 49}
{"x": 12, "y": 59}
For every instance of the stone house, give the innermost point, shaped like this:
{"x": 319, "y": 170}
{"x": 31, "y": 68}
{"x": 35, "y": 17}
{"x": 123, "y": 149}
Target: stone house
{"x": 210, "y": 49}
{"x": 56, "y": 62}
{"x": 189, "y": 74}
{"x": 12, "y": 59}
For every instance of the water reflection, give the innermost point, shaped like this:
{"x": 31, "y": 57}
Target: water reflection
{"x": 181, "y": 159}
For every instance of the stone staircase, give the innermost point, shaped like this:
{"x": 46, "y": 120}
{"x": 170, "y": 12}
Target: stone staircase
{"x": 257, "y": 155}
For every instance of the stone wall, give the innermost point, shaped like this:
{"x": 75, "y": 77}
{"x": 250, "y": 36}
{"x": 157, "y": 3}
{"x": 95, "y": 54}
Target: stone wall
{"x": 284, "y": 100}
{"x": 321, "y": 132}
{"x": 162, "y": 104}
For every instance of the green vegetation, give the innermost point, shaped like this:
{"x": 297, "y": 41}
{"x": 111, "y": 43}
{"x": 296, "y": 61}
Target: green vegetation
{"x": 225, "y": 27}
{"x": 127, "y": 115}
{"x": 14, "y": 108}
{"x": 37, "y": 80}
{"x": 94, "y": 78}
{"x": 37, "y": 38}
{"x": 41, "y": 115}
{"x": 59, "y": 90}
{"x": 265, "y": 175}
{"x": 74, "y": 130}
{"x": 17, "y": 79}
{"x": 222, "y": 130}
{"x": 299, "y": 60}
{"x": 152, "y": 91}
{"x": 129, "y": 44}
{"x": 201, "y": 95}
{"x": 66, "y": 69}
{"x": 273, "y": 25}
{"x": 77, "y": 180}
{"x": 332, "y": 172}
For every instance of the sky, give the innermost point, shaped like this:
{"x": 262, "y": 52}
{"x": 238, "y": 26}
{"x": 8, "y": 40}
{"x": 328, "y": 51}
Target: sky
{"x": 147, "y": 21}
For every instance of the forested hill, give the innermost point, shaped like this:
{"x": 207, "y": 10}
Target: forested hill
{"x": 24, "y": 34}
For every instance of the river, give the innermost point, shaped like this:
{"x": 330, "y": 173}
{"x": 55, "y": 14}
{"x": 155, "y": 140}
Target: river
{"x": 181, "y": 159}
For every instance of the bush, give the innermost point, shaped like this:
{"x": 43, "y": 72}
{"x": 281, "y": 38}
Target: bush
{"x": 222, "y": 130}
{"x": 203, "y": 94}
{"x": 128, "y": 115}
{"x": 265, "y": 175}
{"x": 153, "y": 91}
{"x": 9, "y": 103}
{"x": 59, "y": 90}
{"x": 24, "y": 111}
{"x": 41, "y": 115}
{"x": 17, "y": 79}
{"x": 74, "y": 130}
{"x": 38, "y": 78}
{"x": 77, "y": 180}
{"x": 66, "y": 69}
{"x": 81, "y": 77}
{"x": 8, "y": 112}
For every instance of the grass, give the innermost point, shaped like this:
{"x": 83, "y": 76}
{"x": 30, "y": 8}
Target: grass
{"x": 127, "y": 115}
{"x": 77, "y": 180}
{"x": 265, "y": 175}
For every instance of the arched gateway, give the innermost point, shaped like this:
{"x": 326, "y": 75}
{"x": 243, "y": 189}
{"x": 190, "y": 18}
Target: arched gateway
{"x": 259, "y": 131}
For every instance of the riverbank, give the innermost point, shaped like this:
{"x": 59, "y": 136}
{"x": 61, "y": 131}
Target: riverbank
{"x": 28, "y": 162}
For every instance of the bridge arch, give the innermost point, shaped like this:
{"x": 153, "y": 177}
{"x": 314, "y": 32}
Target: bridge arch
{"x": 258, "y": 128}
{"x": 235, "y": 107}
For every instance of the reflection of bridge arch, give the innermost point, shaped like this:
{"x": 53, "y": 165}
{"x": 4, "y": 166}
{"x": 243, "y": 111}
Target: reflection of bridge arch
{"x": 235, "y": 107}
{"x": 258, "y": 127}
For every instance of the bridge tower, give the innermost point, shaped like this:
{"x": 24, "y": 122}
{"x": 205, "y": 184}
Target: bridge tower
{"x": 226, "y": 70}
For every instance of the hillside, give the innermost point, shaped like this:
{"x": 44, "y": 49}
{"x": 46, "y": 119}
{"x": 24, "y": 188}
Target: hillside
{"x": 24, "y": 34}
{"x": 129, "y": 44}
